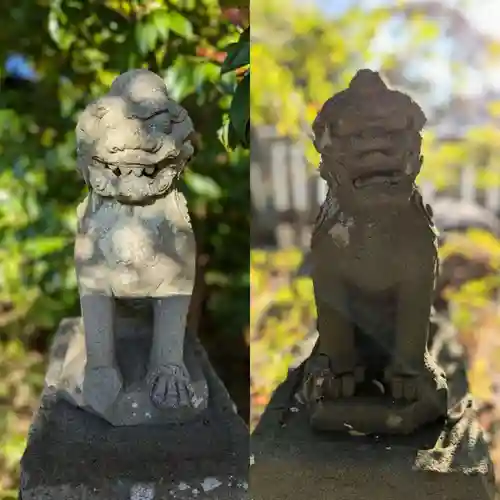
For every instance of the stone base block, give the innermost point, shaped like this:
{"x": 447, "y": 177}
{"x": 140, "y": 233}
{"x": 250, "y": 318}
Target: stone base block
{"x": 133, "y": 405}
{"x": 75, "y": 455}
{"x": 385, "y": 415}
{"x": 443, "y": 461}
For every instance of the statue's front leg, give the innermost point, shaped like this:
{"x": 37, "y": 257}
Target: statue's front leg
{"x": 168, "y": 376}
{"x": 102, "y": 378}
{"x": 332, "y": 370}
{"x": 414, "y": 301}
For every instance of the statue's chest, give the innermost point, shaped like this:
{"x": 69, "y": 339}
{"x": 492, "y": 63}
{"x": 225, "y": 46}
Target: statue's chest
{"x": 127, "y": 236}
{"x": 370, "y": 260}
{"x": 363, "y": 242}
{"x": 370, "y": 254}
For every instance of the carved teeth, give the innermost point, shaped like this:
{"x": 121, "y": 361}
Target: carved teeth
{"x": 138, "y": 172}
{"x": 149, "y": 170}
{"x": 125, "y": 170}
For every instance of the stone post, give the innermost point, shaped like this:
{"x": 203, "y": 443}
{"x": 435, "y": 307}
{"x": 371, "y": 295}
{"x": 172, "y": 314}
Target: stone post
{"x": 132, "y": 409}
{"x": 371, "y": 413}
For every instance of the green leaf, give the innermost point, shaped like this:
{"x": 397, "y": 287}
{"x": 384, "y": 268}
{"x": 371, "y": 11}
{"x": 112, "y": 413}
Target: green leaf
{"x": 239, "y": 113}
{"x": 180, "y": 25}
{"x": 45, "y": 245}
{"x": 161, "y": 20}
{"x": 245, "y": 35}
{"x": 146, "y": 36}
{"x": 223, "y": 135}
{"x": 57, "y": 22}
{"x": 234, "y": 3}
{"x": 202, "y": 185}
{"x": 233, "y": 140}
{"x": 238, "y": 55}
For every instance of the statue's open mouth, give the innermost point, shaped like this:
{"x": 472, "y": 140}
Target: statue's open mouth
{"x": 137, "y": 171}
{"x": 133, "y": 182}
{"x": 380, "y": 177}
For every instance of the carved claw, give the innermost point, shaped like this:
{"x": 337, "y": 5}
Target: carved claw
{"x": 101, "y": 387}
{"x": 403, "y": 386}
{"x": 342, "y": 386}
{"x": 171, "y": 387}
{"x": 314, "y": 385}
{"x": 324, "y": 382}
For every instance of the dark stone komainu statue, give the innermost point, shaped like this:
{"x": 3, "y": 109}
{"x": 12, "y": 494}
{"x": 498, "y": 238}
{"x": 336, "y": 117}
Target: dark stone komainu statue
{"x": 371, "y": 383}
{"x": 374, "y": 266}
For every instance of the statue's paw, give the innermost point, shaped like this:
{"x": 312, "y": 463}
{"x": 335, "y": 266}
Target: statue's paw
{"x": 342, "y": 385}
{"x": 404, "y": 384}
{"x": 323, "y": 382}
{"x": 404, "y": 387}
{"x": 101, "y": 386}
{"x": 171, "y": 387}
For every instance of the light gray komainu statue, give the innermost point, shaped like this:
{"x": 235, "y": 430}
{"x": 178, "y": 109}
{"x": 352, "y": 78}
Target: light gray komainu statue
{"x": 374, "y": 265}
{"x": 135, "y": 254}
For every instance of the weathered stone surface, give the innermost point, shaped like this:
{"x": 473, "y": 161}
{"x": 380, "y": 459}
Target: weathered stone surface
{"x": 133, "y": 405}
{"x": 374, "y": 260}
{"x": 292, "y": 462}
{"x": 135, "y": 251}
{"x": 75, "y": 455}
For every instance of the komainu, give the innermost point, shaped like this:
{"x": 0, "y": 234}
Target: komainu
{"x": 135, "y": 248}
{"x": 374, "y": 249}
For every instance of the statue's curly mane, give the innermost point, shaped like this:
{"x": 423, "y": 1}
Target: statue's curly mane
{"x": 135, "y": 126}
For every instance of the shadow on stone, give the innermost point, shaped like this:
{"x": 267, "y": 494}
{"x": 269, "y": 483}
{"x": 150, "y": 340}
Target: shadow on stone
{"x": 72, "y": 454}
{"x": 291, "y": 461}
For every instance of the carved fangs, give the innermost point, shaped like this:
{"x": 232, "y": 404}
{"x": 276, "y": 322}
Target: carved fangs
{"x": 385, "y": 177}
{"x": 137, "y": 171}
{"x": 125, "y": 170}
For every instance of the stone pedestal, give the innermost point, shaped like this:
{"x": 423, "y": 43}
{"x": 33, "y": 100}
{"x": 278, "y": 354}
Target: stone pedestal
{"x": 443, "y": 461}
{"x": 74, "y": 455}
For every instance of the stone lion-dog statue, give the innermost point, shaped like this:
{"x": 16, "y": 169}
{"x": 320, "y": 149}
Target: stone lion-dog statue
{"x": 135, "y": 251}
{"x": 374, "y": 265}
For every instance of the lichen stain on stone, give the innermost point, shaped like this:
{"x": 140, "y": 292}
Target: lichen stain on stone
{"x": 242, "y": 485}
{"x": 131, "y": 244}
{"x": 340, "y": 234}
{"x": 210, "y": 483}
{"x": 340, "y": 231}
{"x": 324, "y": 139}
{"x": 142, "y": 492}
{"x": 84, "y": 248}
{"x": 394, "y": 421}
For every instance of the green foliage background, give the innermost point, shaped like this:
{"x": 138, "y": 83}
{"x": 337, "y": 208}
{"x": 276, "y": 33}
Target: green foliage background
{"x": 301, "y": 57}
{"x": 76, "y": 48}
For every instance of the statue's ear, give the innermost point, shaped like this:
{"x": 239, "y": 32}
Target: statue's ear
{"x": 322, "y": 139}
{"x": 419, "y": 165}
{"x": 429, "y": 210}
{"x": 83, "y": 168}
{"x": 426, "y": 209}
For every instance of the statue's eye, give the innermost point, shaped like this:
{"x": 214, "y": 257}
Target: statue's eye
{"x": 96, "y": 162}
{"x": 166, "y": 162}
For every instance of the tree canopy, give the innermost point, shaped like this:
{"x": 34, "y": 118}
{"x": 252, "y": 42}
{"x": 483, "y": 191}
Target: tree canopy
{"x": 301, "y": 57}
